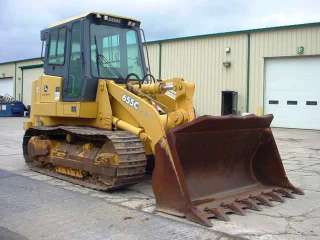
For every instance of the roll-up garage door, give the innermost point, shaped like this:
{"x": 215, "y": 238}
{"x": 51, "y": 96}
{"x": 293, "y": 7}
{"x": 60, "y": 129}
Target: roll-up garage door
{"x": 6, "y": 86}
{"x": 29, "y": 75}
{"x": 292, "y": 92}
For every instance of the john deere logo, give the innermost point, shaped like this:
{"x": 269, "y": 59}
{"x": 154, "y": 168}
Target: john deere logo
{"x": 45, "y": 88}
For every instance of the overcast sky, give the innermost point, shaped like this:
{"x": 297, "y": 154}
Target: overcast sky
{"x": 22, "y": 20}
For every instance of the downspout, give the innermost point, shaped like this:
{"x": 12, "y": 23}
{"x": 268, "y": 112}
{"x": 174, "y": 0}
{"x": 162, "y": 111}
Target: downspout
{"x": 21, "y": 85}
{"x": 248, "y": 72}
{"x": 15, "y": 79}
{"x": 160, "y": 50}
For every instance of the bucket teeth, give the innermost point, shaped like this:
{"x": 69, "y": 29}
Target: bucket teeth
{"x": 284, "y": 192}
{"x": 298, "y": 191}
{"x": 218, "y": 213}
{"x": 275, "y": 196}
{"x": 263, "y": 200}
{"x": 250, "y": 204}
{"x": 235, "y": 208}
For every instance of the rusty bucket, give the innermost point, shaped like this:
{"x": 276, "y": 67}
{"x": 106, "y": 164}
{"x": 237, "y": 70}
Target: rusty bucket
{"x": 214, "y": 166}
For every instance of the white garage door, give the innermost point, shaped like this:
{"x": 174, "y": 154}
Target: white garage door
{"x": 292, "y": 92}
{"x": 6, "y": 86}
{"x": 29, "y": 75}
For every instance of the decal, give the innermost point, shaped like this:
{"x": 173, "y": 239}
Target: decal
{"x": 56, "y": 96}
{"x": 130, "y": 101}
{"x": 45, "y": 88}
{"x": 171, "y": 94}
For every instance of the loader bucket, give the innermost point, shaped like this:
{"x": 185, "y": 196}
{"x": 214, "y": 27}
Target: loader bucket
{"x": 213, "y": 166}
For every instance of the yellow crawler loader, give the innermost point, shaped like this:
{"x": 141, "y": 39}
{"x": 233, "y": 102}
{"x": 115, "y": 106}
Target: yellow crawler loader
{"x": 99, "y": 119}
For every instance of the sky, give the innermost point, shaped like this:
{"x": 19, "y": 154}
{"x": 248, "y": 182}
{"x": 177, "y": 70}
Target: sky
{"x": 22, "y": 20}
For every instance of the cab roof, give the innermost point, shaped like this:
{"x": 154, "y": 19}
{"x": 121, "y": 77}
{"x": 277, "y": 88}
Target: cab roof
{"x": 89, "y": 14}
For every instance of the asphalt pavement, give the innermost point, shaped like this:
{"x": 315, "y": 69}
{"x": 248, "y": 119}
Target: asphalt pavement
{"x": 33, "y": 206}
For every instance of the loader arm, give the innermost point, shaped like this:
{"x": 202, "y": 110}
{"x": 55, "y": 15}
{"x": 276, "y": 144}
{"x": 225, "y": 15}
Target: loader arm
{"x": 138, "y": 115}
{"x": 147, "y": 119}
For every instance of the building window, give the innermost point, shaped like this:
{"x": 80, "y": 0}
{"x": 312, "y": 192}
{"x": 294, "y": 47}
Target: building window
{"x": 57, "y": 47}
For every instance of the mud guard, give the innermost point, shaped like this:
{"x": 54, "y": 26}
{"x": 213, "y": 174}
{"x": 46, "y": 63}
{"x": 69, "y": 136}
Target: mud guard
{"x": 213, "y": 166}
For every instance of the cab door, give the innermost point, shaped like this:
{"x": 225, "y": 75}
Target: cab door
{"x": 73, "y": 83}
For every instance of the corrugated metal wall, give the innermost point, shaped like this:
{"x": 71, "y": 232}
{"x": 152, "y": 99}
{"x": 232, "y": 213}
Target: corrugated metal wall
{"x": 281, "y": 43}
{"x": 13, "y": 70}
{"x": 154, "y": 54}
{"x": 201, "y": 60}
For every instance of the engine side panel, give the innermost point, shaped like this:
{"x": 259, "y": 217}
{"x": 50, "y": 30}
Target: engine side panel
{"x": 48, "y": 109}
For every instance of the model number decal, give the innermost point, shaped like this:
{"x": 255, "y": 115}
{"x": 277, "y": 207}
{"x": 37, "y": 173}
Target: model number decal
{"x": 130, "y": 101}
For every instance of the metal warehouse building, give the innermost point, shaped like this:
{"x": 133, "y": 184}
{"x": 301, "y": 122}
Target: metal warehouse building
{"x": 273, "y": 70}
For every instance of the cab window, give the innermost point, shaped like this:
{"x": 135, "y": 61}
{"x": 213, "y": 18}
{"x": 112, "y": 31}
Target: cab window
{"x": 57, "y": 46}
{"x": 115, "y": 52}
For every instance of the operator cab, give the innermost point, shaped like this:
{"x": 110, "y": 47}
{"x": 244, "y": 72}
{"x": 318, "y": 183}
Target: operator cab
{"x": 93, "y": 46}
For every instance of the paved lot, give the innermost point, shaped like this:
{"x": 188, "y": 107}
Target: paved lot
{"x": 33, "y": 206}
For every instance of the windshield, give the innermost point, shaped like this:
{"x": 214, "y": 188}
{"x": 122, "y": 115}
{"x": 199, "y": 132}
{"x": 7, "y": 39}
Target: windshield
{"x": 115, "y": 52}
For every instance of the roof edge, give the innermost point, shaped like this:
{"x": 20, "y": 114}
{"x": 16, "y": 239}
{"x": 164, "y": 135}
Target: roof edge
{"x": 21, "y": 60}
{"x": 254, "y": 30}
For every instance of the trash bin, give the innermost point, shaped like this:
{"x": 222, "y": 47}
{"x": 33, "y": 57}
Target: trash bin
{"x": 15, "y": 109}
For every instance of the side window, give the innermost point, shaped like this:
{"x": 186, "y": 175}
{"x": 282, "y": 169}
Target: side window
{"x": 134, "y": 59}
{"x": 74, "y": 77}
{"x": 56, "y": 46}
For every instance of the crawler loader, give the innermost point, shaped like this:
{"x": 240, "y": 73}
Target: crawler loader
{"x": 98, "y": 119}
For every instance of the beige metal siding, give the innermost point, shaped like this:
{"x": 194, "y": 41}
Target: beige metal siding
{"x": 13, "y": 70}
{"x": 201, "y": 61}
{"x": 153, "y": 50}
{"x": 281, "y": 43}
